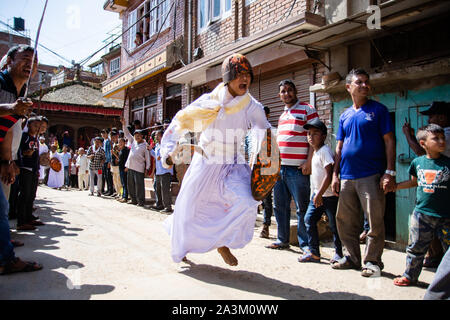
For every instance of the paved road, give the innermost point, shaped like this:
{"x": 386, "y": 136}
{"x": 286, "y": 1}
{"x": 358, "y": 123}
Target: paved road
{"x": 98, "y": 248}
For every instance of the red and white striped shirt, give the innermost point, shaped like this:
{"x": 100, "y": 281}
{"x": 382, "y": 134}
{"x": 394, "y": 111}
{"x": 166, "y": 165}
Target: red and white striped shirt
{"x": 291, "y": 137}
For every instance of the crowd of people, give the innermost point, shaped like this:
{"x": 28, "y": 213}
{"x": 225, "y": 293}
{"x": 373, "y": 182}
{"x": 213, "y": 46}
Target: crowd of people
{"x": 348, "y": 185}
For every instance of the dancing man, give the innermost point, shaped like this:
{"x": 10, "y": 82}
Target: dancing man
{"x": 215, "y": 208}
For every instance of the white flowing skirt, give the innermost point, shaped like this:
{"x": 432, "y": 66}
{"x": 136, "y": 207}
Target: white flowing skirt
{"x": 214, "y": 208}
{"x": 55, "y": 179}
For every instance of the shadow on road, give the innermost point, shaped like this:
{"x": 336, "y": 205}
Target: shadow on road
{"x": 48, "y": 283}
{"x": 257, "y": 283}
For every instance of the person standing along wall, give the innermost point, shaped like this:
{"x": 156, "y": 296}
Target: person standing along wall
{"x": 365, "y": 142}
{"x": 296, "y": 158}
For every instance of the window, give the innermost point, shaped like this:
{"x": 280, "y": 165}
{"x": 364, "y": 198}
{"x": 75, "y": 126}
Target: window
{"x": 151, "y": 100}
{"x": 114, "y": 66}
{"x": 138, "y": 103}
{"x": 212, "y": 10}
{"x": 149, "y": 18}
{"x": 247, "y": 2}
{"x": 98, "y": 69}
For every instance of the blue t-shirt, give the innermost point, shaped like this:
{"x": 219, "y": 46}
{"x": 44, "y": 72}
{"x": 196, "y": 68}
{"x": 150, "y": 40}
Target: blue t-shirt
{"x": 156, "y": 153}
{"x": 65, "y": 158}
{"x": 362, "y": 131}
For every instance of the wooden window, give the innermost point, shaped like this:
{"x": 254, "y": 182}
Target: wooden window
{"x": 114, "y": 66}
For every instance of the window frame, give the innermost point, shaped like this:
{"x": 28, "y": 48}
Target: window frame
{"x": 157, "y": 11}
{"x": 209, "y": 7}
{"x": 111, "y": 74}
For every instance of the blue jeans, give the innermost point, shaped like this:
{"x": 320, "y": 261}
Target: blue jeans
{"x": 422, "y": 229}
{"x": 66, "y": 176}
{"x": 6, "y": 247}
{"x": 123, "y": 181}
{"x": 292, "y": 184}
{"x": 313, "y": 216}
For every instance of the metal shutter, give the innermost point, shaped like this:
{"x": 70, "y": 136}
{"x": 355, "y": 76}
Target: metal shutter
{"x": 268, "y": 93}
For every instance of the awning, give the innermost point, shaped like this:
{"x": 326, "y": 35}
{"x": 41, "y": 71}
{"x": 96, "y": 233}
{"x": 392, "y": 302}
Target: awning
{"x": 393, "y": 13}
{"x": 77, "y": 108}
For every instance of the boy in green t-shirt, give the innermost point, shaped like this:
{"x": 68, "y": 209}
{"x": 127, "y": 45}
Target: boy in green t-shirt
{"x": 431, "y": 175}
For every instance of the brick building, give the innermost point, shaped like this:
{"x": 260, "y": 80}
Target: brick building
{"x": 152, "y": 41}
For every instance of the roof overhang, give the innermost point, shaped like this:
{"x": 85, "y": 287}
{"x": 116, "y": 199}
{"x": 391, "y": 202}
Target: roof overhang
{"x": 115, "y": 5}
{"x": 196, "y": 73}
{"x": 115, "y": 86}
{"x": 64, "y": 107}
{"x": 393, "y": 13}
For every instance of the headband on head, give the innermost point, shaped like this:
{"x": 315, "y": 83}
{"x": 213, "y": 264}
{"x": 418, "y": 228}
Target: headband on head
{"x": 233, "y": 65}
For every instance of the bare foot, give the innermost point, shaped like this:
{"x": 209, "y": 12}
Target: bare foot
{"x": 227, "y": 256}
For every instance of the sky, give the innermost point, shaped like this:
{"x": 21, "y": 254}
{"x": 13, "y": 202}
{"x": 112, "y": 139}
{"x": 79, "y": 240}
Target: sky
{"x": 72, "y": 28}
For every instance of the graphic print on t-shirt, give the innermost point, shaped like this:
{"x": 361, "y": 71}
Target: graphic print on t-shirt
{"x": 431, "y": 179}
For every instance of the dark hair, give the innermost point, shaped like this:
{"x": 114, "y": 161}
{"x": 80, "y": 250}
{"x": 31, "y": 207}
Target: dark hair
{"x": 137, "y": 122}
{"x": 33, "y": 119}
{"x": 114, "y": 133}
{"x": 423, "y": 132}
{"x": 266, "y": 110}
{"x": 44, "y": 119}
{"x": 355, "y": 72}
{"x": 287, "y": 82}
{"x": 19, "y": 48}
{"x": 103, "y": 131}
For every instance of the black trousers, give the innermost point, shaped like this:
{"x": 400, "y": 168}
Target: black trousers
{"x": 27, "y": 192}
{"x": 107, "y": 176}
{"x": 162, "y": 190}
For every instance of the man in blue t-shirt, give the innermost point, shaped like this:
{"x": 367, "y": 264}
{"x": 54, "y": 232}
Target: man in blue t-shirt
{"x": 365, "y": 147}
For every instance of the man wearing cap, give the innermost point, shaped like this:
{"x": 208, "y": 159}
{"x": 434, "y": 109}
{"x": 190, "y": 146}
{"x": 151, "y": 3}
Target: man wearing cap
{"x": 296, "y": 157}
{"x": 438, "y": 113}
{"x": 215, "y": 208}
{"x": 365, "y": 143}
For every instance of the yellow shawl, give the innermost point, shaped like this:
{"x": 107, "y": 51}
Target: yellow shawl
{"x": 196, "y": 118}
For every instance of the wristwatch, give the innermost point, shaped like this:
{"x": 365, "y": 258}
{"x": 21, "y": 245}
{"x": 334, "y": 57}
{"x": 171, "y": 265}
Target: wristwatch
{"x": 390, "y": 172}
{"x": 7, "y": 162}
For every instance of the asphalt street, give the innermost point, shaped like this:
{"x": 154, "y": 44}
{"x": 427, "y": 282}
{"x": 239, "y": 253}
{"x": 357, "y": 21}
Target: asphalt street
{"x": 98, "y": 248}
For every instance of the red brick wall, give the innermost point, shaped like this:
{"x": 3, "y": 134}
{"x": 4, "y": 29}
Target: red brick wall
{"x": 8, "y": 41}
{"x": 244, "y": 21}
{"x": 165, "y": 37}
{"x": 323, "y": 100}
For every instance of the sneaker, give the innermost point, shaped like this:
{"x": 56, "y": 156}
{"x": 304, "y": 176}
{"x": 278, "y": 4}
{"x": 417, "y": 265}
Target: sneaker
{"x": 90, "y": 194}
{"x": 156, "y": 207}
{"x": 166, "y": 210}
{"x": 140, "y": 204}
{"x": 99, "y": 194}
{"x": 264, "y": 232}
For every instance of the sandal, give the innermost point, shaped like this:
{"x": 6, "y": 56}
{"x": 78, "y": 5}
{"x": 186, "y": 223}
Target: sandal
{"x": 403, "y": 282}
{"x": 16, "y": 243}
{"x": 37, "y": 223}
{"x": 371, "y": 270}
{"x": 335, "y": 258}
{"x": 26, "y": 227}
{"x": 344, "y": 264}
{"x": 279, "y": 246}
{"x": 11, "y": 267}
{"x": 308, "y": 257}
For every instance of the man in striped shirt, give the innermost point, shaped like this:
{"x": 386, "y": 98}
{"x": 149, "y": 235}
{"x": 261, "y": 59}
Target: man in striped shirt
{"x": 296, "y": 158}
